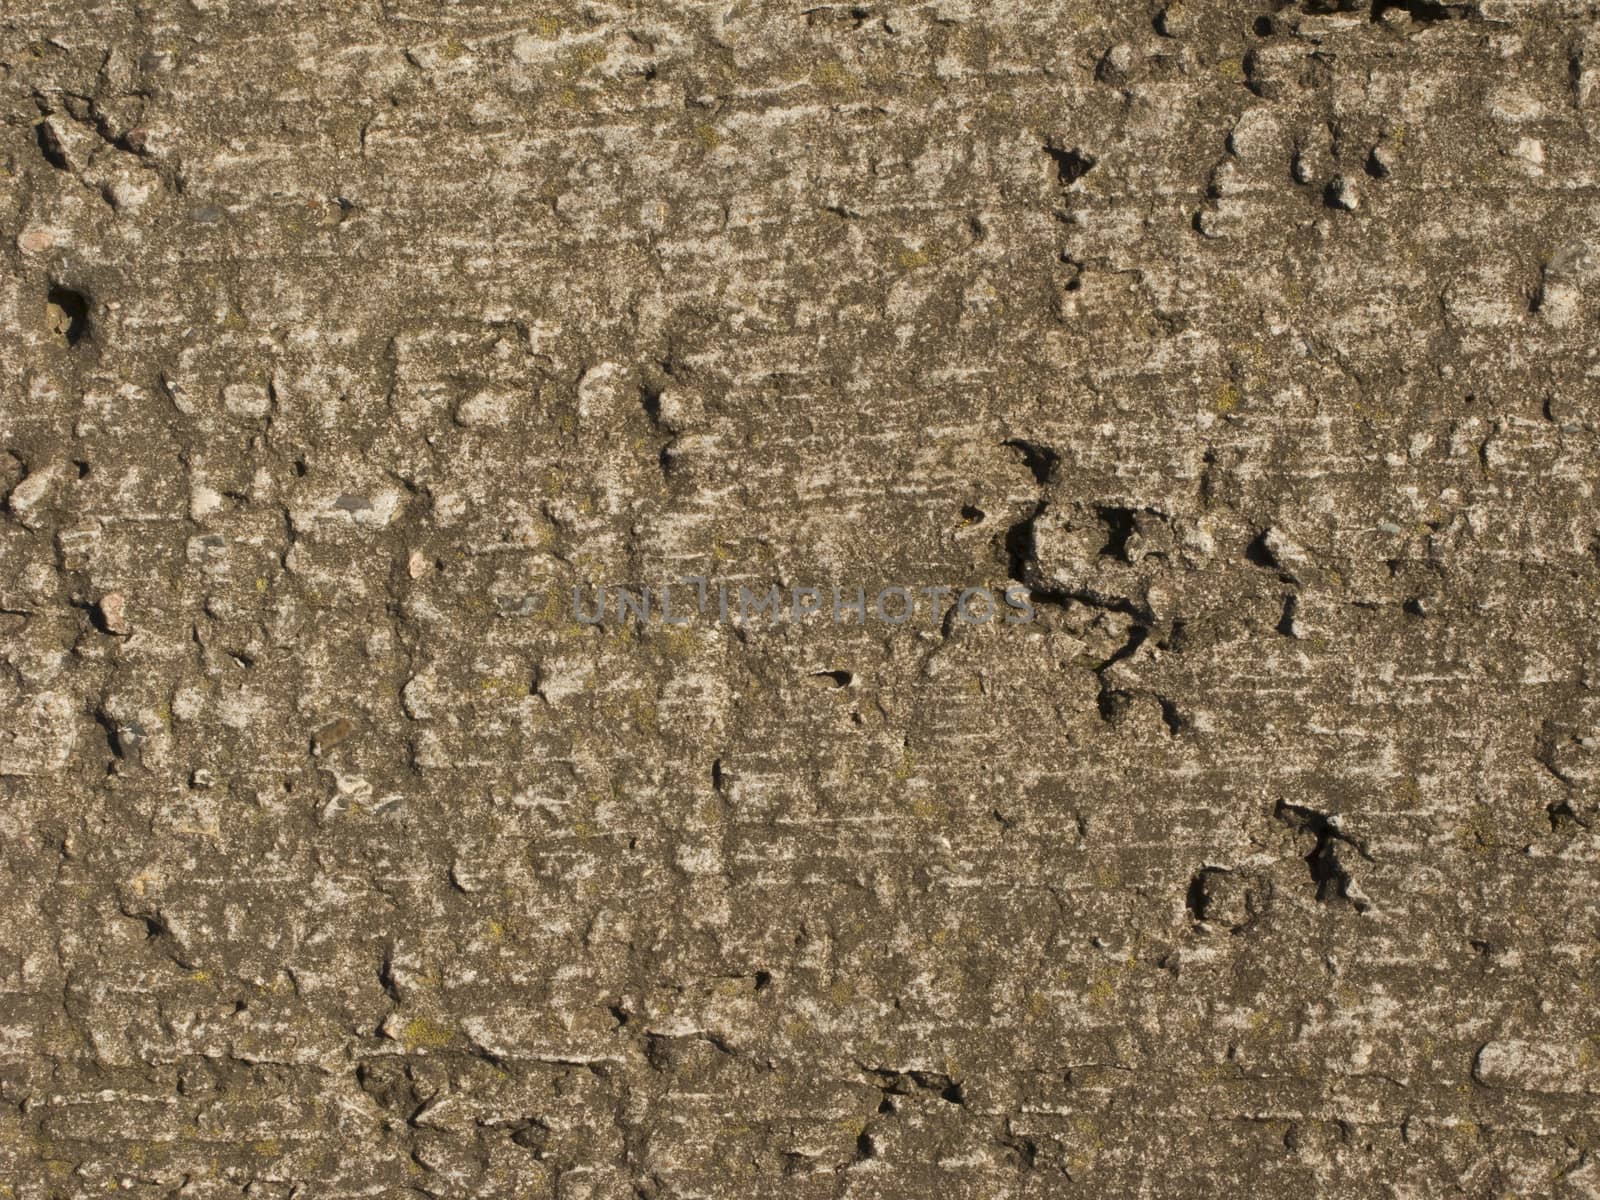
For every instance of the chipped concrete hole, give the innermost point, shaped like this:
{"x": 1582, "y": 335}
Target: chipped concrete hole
{"x": 66, "y": 315}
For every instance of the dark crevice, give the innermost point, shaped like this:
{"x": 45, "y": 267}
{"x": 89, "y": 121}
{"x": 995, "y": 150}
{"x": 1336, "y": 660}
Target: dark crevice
{"x": 1562, "y": 817}
{"x": 1198, "y": 898}
{"x": 1286, "y": 622}
{"x": 1113, "y": 703}
{"x": 838, "y": 679}
{"x": 1327, "y": 866}
{"x": 1022, "y": 567}
{"x": 1171, "y": 716}
{"x": 50, "y": 148}
{"x": 1550, "y": 741}
{"x": 158, "y": 932}
{"x": 97, "y": 618}
{"x": 67, "y": 314}
{"x": 1120, "y": 523}
{"x": 658, "y": 1052}
{"x": 903, "y": 1083}
{"x": 1136, "y": 638}
{"x": 115, "y": 741}
{"x": 1024, "y": 1149}
{"x": 1018, "y": 544}
{"x": 650, "y": 398}
{"x": 1071, "y": 165}
{"x": 1040, "y": 460}
{"x": 1425, "y": 11}
{"x": 386, "y": 978}
{"x": 1258, "y": 553}
{"x": 484, "y": 1054}
{"x": 531, "y": 1134}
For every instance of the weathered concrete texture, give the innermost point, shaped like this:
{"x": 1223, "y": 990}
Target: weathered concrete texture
{"x": 342, "y": 339}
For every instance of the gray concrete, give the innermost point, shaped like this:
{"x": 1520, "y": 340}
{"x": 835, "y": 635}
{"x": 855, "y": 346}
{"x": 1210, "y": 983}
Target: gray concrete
{"x": 1255, "y": 349}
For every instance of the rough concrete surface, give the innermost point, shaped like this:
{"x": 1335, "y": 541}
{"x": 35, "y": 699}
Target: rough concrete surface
{"x": 1249, "y": 848}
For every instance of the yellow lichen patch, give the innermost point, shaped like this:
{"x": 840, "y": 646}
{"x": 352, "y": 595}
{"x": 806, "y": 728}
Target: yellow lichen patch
{"x": 926, "y": 808}
{"x": 586, "y": 57}
{"x": 1103, "y": 990}
{"x": 511, "y": 689}
{"x": 680, "y": 642}
{"x": 832, "y": 76}
{"x": 426, "y": 1033}
{"x": 1370, "y": 410}
{"x": 643, "y": 710}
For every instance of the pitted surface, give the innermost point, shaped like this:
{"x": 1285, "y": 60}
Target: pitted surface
{"x": 1253, "y": 345}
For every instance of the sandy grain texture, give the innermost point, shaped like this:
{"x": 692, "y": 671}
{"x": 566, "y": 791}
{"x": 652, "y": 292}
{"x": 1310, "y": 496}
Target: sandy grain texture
{"x": 1254, "y": 343}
